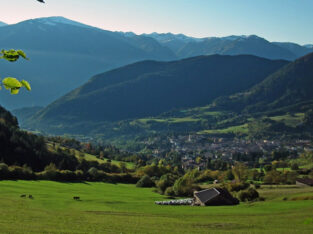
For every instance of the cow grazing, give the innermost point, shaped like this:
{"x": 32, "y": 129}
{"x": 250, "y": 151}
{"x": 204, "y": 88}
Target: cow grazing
{"x": 76, "y": 198}
{"x": 23, "y": 195}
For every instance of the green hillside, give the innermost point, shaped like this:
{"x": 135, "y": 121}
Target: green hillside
{"x": 88, "y": 157}
{"x": 290, "y": 88}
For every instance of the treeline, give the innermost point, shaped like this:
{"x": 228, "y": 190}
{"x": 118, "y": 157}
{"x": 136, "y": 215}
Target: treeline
{"x": 26, "y": 154}
{"x": 239, "y": 178}
{"x": 20, "y": 147}
{"x": 52, "y": 173}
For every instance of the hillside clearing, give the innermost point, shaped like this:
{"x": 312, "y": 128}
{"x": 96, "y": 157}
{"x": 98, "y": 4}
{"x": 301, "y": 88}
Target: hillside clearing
{"x": 90, "y": 157}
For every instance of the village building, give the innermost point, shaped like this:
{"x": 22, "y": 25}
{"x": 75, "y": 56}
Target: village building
{"x": 214, "y": 197}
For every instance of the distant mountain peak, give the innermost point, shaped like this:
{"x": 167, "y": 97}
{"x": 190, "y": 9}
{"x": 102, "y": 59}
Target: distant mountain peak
{"x": 166, "y": 37}
{"x": 242, "y": 37}
{"x": 127, "y": 34}
{"x": 310, "y": 46}
{"x": 55, "y": 20}
{"x": 2, "y": 24}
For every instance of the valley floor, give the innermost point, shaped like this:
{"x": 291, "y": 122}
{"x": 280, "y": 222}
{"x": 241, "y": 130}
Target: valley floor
{"x": 121, "y": 208}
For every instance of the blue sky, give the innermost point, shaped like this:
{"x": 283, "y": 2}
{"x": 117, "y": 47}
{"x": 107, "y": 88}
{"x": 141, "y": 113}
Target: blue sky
{"x": 275, "y": 20}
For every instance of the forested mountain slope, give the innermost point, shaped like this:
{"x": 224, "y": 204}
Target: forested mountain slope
{"x": 150, "y": 88}
{"x": 289, "y": 88}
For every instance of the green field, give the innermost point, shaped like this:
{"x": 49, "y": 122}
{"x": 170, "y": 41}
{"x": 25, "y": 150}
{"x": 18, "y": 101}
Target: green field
{"x": 90, "y": 157}
{"x": 233, "y": 129}
{"x": 190, "y": 116}
{"x": 289, "y": 120}
{"x": 109, "y": 208}
{"x": 169, "y": 120}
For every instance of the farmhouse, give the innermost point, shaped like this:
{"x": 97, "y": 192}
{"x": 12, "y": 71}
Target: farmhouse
{"x": 304, "y": 182}
{"x": 214, "y": 197}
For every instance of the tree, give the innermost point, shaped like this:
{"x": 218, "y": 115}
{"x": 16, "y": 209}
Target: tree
{"x": 11, "y": 83}
{"x": 230, "y": 175}
{"x": 145, "y": 182}
{"x": 249, "y": 195}
{"x": 268, "y": 167}
{"x": 122, "y": 166}
{"x": 240, "y": 171}
{"x": 294, "y": 167}
{"x": 272, "y": 177}
{"x": 165, "y": 181}
{"x": 308, "y": 118}
{"x": 198, "y": 160}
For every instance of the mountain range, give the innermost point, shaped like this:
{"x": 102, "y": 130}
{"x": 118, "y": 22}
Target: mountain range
{"x": 64, "y": 54}
{"x": 184, "y": 46}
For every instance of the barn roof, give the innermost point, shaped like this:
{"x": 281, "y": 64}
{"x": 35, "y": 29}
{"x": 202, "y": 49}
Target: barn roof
{"x": 207, "y": 194}
{"x": 306, "y": 181}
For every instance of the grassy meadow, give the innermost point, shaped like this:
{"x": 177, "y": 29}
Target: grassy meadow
{"x": 121, "y": 208}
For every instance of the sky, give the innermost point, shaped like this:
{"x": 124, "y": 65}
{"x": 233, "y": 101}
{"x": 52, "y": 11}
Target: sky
{"x": 275, "y": 20}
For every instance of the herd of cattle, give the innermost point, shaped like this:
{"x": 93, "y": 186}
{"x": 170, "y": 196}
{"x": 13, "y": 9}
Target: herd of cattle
{"x": 31, "y": 197}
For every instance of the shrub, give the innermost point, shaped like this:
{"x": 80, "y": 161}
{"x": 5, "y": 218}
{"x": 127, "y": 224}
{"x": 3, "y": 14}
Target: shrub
{"x": 169, "y": 191}
{"x": 51, "y": 167}
{"x": 152, "y": 170}
{"x": 230, "y": 175}
{"x": 165, "y": 181}
{"x": 294, "y": 167}
{"x": 145, "y": 182}
{"x": 79, "y": 174}
{"x": 155, "y": 178}
{"x": 184, "y": 187}
{"x": 236, "y": 187}
{"x": 94, "y": 173}
{"x": 49, "y": 175}
{"x": 162, "y": 185}
{"x": 248, "y": 195}
{"x": 204, "y": 176}
{"x": 4, "y": 171}
{"x": 289, "y": 177}
{"x": 272, "y": 177}
{"x": 17, "y": 172}
{"x": 257, "y": 186}
{"x": 268, "y": 167}
{"x": 67, "y": 175}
